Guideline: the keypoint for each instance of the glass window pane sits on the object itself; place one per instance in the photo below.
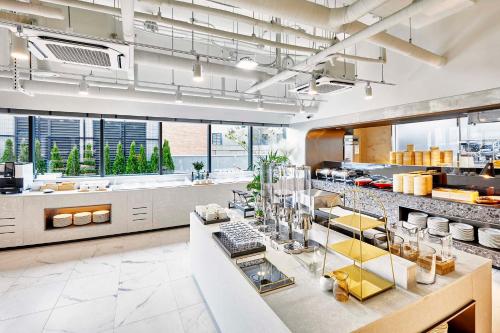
(67, 145)
(130, 147)
(13, 138)
(233, 151)
(187, 144)
(482, 141)
(423, 135)
(266, 139)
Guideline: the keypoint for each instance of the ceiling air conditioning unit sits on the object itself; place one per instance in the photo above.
(79, 51)
(335, 77)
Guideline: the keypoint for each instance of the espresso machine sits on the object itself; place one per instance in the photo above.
(15, 177)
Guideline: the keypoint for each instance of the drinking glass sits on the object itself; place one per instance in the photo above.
(445, 240)
(341, 286)
(426, 265)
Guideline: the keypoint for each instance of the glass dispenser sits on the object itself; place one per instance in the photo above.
(266, 193)
(305, 205)
(289, 197)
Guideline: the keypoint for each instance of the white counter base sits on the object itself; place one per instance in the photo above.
(237, 307)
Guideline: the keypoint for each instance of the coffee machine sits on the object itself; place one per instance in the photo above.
(15, 177)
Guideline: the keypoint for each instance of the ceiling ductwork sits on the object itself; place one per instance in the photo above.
(71, 90)
(416, 7)
(32, 9)
(307, 12)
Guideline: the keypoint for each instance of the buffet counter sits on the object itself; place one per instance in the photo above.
(27, 218)
(303, 307)
(399, 204)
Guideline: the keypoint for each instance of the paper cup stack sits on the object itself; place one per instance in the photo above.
(437, 223)
(82, 218)
(399, 157)
(392, 157)
(489, 237)
(62, 220)
(462, 231)
(418, 219)
(419, 185)
(448, 157)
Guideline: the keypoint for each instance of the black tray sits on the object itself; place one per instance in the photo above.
(205, 222)
(236, 251)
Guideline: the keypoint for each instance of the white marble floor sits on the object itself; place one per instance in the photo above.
(127, 284)
(135, 283)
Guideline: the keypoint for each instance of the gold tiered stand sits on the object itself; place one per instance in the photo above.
(362, 283)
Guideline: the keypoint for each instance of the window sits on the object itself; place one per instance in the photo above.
(266, 139)
(13, 138)
(187, 143)
(423, 135)
(131, 147)
(233, 153)
(66, 145)
(481, 141)
(217, 139)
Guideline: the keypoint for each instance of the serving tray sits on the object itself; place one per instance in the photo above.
(205, 222)
(234, 251)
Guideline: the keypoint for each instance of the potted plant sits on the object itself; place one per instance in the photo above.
(198, 166)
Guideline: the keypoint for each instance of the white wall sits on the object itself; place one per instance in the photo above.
(470, 40)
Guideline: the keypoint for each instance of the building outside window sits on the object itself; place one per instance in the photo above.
(267, 139)
(187, 143)
(217, 139)
(233, 152)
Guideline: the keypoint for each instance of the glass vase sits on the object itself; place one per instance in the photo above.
(341, 286)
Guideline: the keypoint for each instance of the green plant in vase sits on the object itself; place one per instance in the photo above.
(198, 166)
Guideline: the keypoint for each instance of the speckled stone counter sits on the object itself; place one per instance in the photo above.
(367, 201)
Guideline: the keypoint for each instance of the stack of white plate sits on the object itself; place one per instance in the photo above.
(418, 219)
(438, 223)
(489, 237)
(462, 231)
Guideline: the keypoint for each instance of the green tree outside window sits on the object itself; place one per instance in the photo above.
(168, 162)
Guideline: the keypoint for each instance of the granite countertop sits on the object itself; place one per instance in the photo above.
(303, 306)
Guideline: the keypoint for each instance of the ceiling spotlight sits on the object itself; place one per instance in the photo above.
(247, 63)
(368, 91)
(178, 95)
(18, 48)
(197, 76)
(313, 88)
(83, 87)
(260, 104)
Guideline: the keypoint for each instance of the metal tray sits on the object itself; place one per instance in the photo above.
(236, 251)
(264, 276)
(205, 222)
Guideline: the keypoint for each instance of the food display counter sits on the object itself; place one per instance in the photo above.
(460, 299)
(28, 218)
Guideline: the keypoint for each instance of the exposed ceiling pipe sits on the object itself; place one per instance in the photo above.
(70, 90)
(413, 9)
(270, 26)
(307, 12)
(164, 21)
(147, 58)
(341, 56)
(32, 9)
(397, 45)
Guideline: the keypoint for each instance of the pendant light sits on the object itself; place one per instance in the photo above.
(368, 91)
(197, 75)
(178, 95)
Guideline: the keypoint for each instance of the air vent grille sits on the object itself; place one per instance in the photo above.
(330, 88)
(80, 55)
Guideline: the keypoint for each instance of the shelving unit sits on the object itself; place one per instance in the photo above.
(362, 284)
